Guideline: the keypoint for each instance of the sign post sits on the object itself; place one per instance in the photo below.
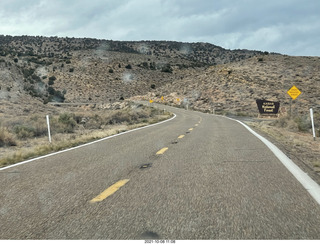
(293, 93)
(312, 123)
(48, 124)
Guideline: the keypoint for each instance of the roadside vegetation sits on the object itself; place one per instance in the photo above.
(294, 135)
(26, 137)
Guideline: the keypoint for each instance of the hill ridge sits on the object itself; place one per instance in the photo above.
(207, 76)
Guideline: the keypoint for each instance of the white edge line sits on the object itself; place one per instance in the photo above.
(309, 184)
(86, 144)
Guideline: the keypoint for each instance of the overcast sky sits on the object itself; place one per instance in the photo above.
(286, 26)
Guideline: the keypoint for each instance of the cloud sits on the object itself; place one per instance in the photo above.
(287, 26)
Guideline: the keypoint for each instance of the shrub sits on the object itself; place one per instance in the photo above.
(27, 72)
(6, 138)
(90, 121)
(119, 117)
(58, 96)
(51, 90)
(55, 95)
(153, 66)
(24, 131)
(167, 68)
(303, 124)
(52, 79)
(68, 123)
(36, 78)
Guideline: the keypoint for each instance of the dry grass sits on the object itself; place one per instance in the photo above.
(6, 138)
(300, 143)
(68, 130)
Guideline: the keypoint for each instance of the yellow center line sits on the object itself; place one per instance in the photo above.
(191, 129)
(196, 124)
(161, 151)
(108, 192)
(180, 136)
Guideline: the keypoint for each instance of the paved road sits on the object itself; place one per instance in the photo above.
(197, 176)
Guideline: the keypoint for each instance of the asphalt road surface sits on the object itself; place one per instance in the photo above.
(197, 176)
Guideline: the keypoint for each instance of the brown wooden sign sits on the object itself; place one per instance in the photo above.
(267, 107)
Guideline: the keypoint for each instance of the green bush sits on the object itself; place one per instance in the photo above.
(55, 95)
(303, 124)
(51, 80)
(167, 68)
(27, 72)
(51, 90)
(24, 131)
(67, 123)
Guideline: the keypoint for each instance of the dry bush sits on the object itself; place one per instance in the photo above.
(297, 124)
(68, 130)
(64, 123)
(6, 138)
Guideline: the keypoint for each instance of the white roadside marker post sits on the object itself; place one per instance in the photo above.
(48, 123)
(312, 123)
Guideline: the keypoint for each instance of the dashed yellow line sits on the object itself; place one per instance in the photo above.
(161, 151)
(115, 187)
(108, 192)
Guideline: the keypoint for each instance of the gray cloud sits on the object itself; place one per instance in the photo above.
(287, 26)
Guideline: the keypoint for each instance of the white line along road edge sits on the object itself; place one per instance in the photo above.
(309, 184)
(86, 144)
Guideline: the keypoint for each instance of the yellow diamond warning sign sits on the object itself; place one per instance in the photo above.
(294, 92)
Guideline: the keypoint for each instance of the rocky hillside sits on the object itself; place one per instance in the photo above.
(200, 75)
(39, 46)
(73, 69)
(236, 86)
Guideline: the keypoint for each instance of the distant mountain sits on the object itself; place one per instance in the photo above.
(204, 53)
(205, 76)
